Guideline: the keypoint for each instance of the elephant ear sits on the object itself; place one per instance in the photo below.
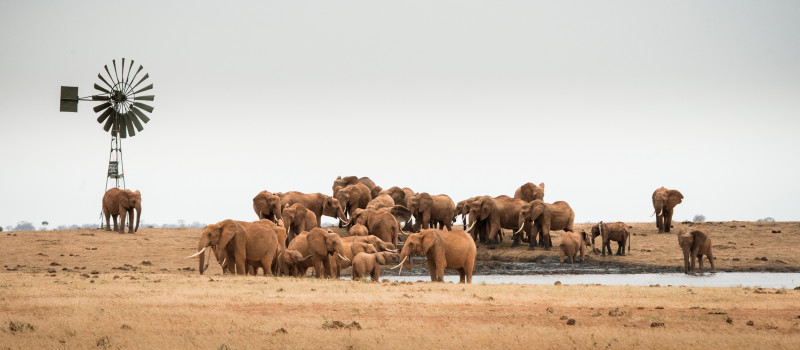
(429, 239)
(380, 258)
(699, 238)
(376, 191)
(425, 202)
(674, 198)
(486, 208)
(400, 212)
(316, 242)
(230, 229)
(357, 247)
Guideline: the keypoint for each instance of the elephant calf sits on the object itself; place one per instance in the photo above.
(615, 231)
(571, 244)
(695, 244)
(365, 264)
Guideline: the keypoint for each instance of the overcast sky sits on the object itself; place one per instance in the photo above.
(603, 101)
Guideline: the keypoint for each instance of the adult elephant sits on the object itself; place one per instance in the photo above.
(342, 182)
(490, 215)
(434, 210)
(317, 203)
(319, 243)
(379, 223)
(545, 217)
(297, 219)
(401, 196)
(664, 201)
(529, 192)
(443, 249)
(381, 201)
(462, 208)
(117, 202)
(250, 242)
(695, 243)
(353, 197)
(267, 205)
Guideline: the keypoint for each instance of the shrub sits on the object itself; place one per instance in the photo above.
(766, 219)
(699, 218)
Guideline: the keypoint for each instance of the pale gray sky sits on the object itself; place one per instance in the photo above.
(602, 101)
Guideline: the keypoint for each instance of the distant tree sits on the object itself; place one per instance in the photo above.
(44, 225)
(766, 219)
(699, 218)
(181, 223)
(24, 226)
(1, 228)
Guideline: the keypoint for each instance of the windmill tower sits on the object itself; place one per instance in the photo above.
(121, 110)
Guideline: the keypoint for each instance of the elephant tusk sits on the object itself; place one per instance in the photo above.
(520, 229)
(196, 254)
(400, 265)
(391, 250)
(223, 261)
(343, 257)
(470, 226)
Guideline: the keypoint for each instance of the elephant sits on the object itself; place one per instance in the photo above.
(429, 210)
(664, 202)
(401, 196)
(267, 206)
(342, 182)
(252, 242)
(695, 243)
(359, 230)
(298, 219)
(443, 249)
(615, 231)
(462, 208)
(369, 264)
(381, 201)
(546, 217)
(117, 202)
(319, 243)
(490, 215)
(353, 197)
(375, 241)
(288, 261)
(530, 192)
(318, 203)
(351, 249)
(380, 223)
(571, 244)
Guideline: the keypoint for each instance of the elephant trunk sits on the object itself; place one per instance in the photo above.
(138, 217)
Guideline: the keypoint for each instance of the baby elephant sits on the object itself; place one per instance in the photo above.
(288, 261)
(370, 264)
(359, 230)
(695, 244)
(615, 231)
(571, 244)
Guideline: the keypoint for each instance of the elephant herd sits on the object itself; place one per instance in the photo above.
(288, 239)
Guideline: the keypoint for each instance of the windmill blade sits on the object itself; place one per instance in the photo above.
(128, 124)
(122, 71)
(109, 122)
(143, 106)
(140, 114)
(130, 68)
(101, 107)
(148, 87)
(115, 70)
(100, 98)
(123, 129)
(109, 76)
(146, 75)
(105, 115)
(104, 80)
(144, 98)
(98, 87)
(135, 120)
(135, 74)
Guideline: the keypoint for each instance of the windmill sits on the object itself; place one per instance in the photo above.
(121, 110)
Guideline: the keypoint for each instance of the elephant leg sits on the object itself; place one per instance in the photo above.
(660, 221)
(461, 275)
(710, 257)
(432, 270)
(549, 242)
(667, 220)
(515, 242)
(700, 263)
(561, 256)
(376, 274)
(130, 222)
(108, 221)
(114, 217)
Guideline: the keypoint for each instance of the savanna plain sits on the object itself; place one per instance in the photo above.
(96, 289)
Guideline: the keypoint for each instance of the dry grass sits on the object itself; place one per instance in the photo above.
(161, 305)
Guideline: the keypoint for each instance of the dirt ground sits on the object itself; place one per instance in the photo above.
(97, 289)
